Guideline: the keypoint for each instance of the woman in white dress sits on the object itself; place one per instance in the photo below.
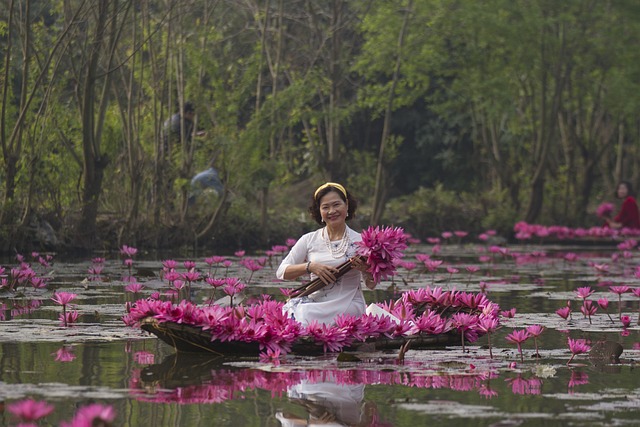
(320, 252)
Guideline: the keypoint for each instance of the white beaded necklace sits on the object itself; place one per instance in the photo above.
(340, 250)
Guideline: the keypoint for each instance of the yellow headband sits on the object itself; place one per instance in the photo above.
(330, 184)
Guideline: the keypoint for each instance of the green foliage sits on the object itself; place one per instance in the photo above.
(489, 95)
(498, 212)
(242, 228)
(428, 212)
(376, 63)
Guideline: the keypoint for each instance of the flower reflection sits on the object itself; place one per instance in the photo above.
(144, 357)
(94, 414)
(525, 386)
(577, 378)
(64, 354)
(487, 392)
(165, 383)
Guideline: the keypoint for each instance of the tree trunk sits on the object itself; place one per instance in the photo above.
(380, 192)
(94, 161)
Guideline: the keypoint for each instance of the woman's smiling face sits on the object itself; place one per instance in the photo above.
(333, 209)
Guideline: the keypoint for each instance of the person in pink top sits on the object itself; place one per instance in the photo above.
(628, 217)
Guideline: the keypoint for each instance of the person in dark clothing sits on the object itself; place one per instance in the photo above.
(173, 127)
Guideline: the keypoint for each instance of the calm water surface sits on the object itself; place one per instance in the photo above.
(100, 360)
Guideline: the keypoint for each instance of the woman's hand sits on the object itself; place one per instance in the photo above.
(326, 273)
(613, 224)
(359, 264)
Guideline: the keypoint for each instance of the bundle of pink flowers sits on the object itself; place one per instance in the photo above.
(382, 249)
(604, 210)
(423, 311)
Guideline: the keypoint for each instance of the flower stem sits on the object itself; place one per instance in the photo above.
(489, 340)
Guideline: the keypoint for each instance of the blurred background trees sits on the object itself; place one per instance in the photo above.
(436, 114)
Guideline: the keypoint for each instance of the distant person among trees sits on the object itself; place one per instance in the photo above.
(177, 134)
(173, 126)
(206, 181)
(628, 217)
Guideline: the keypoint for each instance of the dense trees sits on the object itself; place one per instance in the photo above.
(513, 109)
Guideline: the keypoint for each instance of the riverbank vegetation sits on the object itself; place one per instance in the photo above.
(436, 114)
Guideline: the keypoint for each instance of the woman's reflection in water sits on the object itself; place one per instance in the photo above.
(329, 404)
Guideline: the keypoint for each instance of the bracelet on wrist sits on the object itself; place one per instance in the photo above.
(308, 265)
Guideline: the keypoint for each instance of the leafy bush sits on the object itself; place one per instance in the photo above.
(430, 211)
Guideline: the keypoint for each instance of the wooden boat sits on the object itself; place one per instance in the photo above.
(188, 338)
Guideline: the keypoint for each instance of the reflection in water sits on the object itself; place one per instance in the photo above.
(524, 386)
(577, 378)
(328, 395)
(329, 404)
(64, 354)
(325, 395)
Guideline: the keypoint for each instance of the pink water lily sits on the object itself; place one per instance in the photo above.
(134, 287)
(252, 266)
(577, 346)
(535, 331)
(128, 251)
(463, 322)
(604, 304)
(30, 410)
(625, 320)
(189, 265)
(518, 337)
(488, 325)
(601, 268)
(584, 292)
(332, 339)
(432, 264)
(588, 309)
(169, 264)
(509, 314)
(604, 210)
(570, 257)
(233, 287)
(67, 318)
(621, 289)
(64, 298)
(564, 312)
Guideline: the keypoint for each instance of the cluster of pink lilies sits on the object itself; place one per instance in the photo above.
(525, 231)
(427, 311)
